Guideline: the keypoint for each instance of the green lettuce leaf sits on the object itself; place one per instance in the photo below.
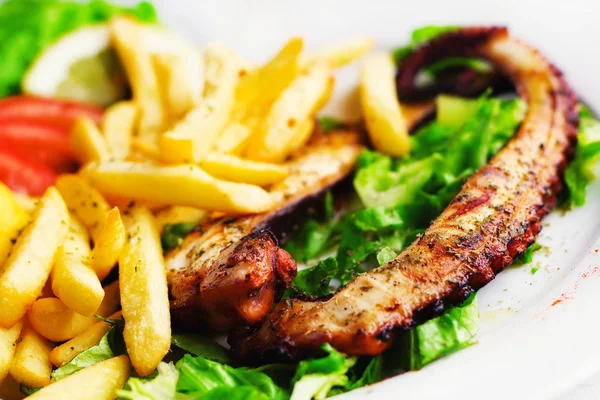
(455, 329)
(527, 256)
(401, 196)
(580, 172)
(28, 26)
(333, 374)
(202, 378)
(201, 346)
(111, 344)
(419, 37)
(160, 387)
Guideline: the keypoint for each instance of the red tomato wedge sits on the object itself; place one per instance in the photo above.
(25, 174)
(58, 112)
(30, 135)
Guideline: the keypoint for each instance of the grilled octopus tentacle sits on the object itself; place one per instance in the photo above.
(231, 271)
(492, 220)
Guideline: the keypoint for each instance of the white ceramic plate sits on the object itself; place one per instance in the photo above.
(539, 332)
(528, 348)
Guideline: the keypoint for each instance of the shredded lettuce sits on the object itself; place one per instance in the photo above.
(419, 37)
(201, 346)
(110, 345)
(580, 172)
(27, 26)
(402, 196)
(202, 378)
(446, 334)
(160, 387)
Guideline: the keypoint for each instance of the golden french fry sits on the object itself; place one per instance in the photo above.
(235, 169)
(144, 297)
(143, 149)
(52, 319)
(196, 133)
(74, 281)
(111, 301)
(380, 106)
(186, 185)
(8, 344)
(118, 126)
(256, 93)
(179, 214)
(137, 62)
(303, 134)
(342, 53)
(12, 220)
(172, 74)
(28, 267)
(99, 381)
(108, 244)
(233, 139)
(31, 364)
(84, 201)
(87, 142)
(90, 337)
(299, 102)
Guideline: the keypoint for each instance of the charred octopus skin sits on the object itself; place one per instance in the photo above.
(230, 271)
(492, 220)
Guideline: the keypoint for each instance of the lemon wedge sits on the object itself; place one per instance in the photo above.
(83, 66)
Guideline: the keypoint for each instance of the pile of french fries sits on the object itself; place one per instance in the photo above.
(167, 156)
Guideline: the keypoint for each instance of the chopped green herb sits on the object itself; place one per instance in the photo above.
(328, 124)
(173, 234)
(527, 256)
(534, 270)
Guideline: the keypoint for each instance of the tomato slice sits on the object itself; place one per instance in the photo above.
(25, 174)
(27, 134)
(61, 113)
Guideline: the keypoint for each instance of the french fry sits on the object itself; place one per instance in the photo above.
(235, 169)
(108, 244)
(380, 106)
(255, 94)
(178, 96)
(118, 126)
(74, 281)
(196, 133)
(12, 220)
(137, 62)
(8, 344)
(143, 149)
(84, 201)
(144, 297)
(31, 364)
(179, 214)
(111, 301)
(299, 102)
(28, 267)
(342, 53)
(90, 337)
(99, 381)
(185, 185)
(233, 139)
(87, 142)
(303, 134)
(52, 319)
